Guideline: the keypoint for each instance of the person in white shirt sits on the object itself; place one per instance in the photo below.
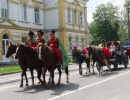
(112, 48)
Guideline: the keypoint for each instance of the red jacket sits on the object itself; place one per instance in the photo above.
(31, 43)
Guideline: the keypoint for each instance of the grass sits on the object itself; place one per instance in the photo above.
(9, 68)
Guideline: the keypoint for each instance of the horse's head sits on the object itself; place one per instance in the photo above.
(20, 51)
(11, 49)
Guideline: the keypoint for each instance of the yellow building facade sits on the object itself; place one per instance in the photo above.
(17, 17)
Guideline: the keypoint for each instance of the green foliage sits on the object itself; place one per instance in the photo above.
(105, 24)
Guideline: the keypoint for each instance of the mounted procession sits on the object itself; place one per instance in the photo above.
(47, 55)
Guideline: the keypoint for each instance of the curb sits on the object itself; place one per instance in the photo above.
(18, 79)
(21, 71)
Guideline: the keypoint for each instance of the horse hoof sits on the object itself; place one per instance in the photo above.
(86, 73)
(26, 84)
(39, 82)
(58, 83)
(21, 85)
(67, 81)
(45, 85)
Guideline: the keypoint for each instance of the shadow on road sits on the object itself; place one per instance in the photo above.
(35, 89)
(58, 89)
(64, 87)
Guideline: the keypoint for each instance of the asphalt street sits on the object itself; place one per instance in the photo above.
(114, 85)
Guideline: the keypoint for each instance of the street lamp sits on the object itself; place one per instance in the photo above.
(128, 9)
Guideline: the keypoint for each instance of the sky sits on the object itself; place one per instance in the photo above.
(92, 4)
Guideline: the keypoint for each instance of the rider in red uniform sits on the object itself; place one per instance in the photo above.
(40, 38)
(31, 41)
(54, 44)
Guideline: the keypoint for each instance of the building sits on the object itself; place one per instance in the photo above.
(67, 17)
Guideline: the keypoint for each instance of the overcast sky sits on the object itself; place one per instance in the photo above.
(92, 4)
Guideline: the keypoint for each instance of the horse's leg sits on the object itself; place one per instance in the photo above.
(21, 85)
(44, 73)
(26, 79)
(25, 69)
(52, 77)
(31, 71)
(88, 65)
(98, 68)
(67, 74)
(102, 69)
(60, 72)
(108, 64)
(39, 72)
(80, 68)
(93, 67)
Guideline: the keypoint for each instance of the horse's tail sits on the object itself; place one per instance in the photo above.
(67, 71)
(67, 74)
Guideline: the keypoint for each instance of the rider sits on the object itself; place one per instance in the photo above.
(104, 48)
(31, 41)
(103, 44)
(54, 44)
(40, 37)
(112, 48)
(127, 43)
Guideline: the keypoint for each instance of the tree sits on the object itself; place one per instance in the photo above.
(105, 24)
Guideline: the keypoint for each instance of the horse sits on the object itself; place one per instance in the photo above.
(48, 57)
(32, 60)
(98, 58)
(11, 49)
(77, 54)
(84, 58)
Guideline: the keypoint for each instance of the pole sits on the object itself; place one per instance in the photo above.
(128, 24)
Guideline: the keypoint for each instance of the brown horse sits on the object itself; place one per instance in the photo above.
(11, 49)
(80, 57)
(48, 57)
(98, 58)
(32, 60)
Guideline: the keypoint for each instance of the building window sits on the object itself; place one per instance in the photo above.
(5, 41)
(37, 15)
(70, 43)
(24, 39)
(77, 42)
(23, 12)
(81, 18)
(69, 16)
(82, 43)
(76, 17)
(4, 8)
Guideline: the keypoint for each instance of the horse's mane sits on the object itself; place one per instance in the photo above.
(32, 52)
(9, 45)
(95, 49)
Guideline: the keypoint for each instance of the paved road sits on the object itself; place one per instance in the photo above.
(113, 85)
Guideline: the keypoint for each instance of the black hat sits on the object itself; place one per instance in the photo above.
(41, 32)
(53, 31)
(103, 40)
(30, 33)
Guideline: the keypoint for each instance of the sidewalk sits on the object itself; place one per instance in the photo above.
(14, 77)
